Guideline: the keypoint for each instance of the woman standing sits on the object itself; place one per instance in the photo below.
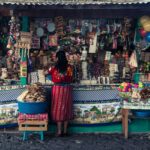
(61, 110)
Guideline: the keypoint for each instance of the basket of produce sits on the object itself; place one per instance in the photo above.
(33, 100)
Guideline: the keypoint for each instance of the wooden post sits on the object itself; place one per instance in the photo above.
(125, 113)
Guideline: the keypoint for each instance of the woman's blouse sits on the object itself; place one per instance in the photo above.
(58, 77)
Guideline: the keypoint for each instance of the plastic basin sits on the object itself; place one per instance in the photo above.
(141, 113)
(33, 108)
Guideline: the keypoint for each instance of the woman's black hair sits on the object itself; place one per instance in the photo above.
(62, 61)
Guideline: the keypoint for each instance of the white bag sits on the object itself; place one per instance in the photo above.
(133, 60)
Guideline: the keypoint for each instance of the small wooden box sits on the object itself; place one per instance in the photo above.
(33, 125)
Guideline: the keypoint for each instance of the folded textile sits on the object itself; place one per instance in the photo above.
(23, 117)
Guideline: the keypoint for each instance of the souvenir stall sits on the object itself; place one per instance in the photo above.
(10, 86)
(104, 52)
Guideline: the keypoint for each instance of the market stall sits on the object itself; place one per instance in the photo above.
(104, 52)
(10, 86)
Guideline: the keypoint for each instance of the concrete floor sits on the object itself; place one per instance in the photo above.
(13, 141)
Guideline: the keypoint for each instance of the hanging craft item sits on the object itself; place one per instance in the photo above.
(84, 54)
(14, 32)
(113, 68)
(59, 22)
(51, 27)
(40, 32)
(108, 55)
(93, 43)
(114, 40)
(53, 40)
(23, 69)
(35, 42)
(9, 63)
(24, 45)
(84, 70)
(133, 60)
(23, 63)
(45, 43)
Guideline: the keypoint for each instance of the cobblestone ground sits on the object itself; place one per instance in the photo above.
(76, 142)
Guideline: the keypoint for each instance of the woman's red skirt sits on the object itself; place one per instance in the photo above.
(62, 103)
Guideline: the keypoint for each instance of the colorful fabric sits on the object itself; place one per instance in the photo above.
(62, 103)
(40, 117)
(57, 77)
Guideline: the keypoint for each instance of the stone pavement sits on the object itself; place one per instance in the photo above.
(9, 141)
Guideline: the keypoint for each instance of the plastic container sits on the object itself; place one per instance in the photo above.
(141, 113)
(33, 108)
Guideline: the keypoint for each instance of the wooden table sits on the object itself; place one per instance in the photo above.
(125, 113)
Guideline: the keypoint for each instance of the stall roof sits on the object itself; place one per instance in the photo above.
(71, 2)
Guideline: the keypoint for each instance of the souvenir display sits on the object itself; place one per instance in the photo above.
(102, 51)
(9, 55)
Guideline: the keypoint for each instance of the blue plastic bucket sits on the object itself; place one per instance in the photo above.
(141, 113)
(33, 108)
